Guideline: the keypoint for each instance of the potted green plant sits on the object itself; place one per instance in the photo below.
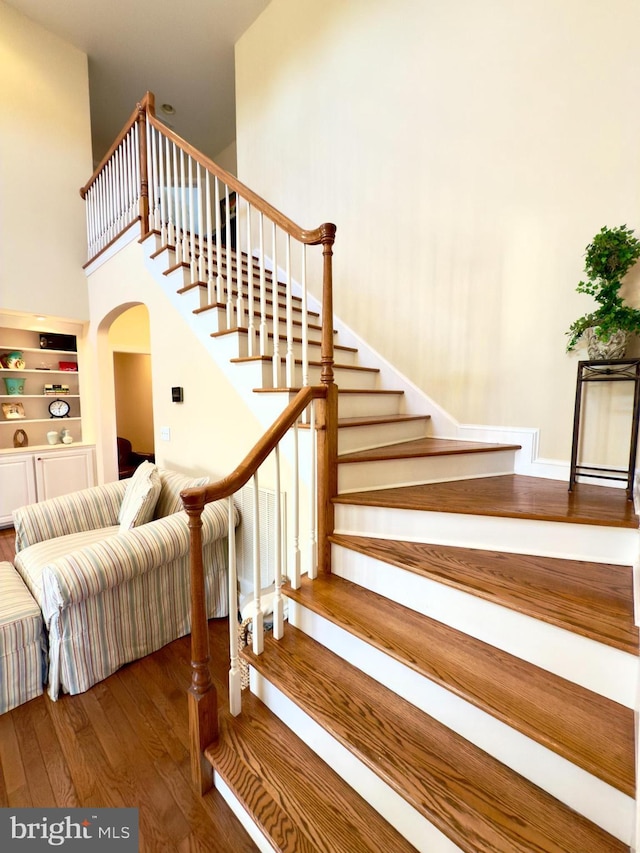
(608, 258)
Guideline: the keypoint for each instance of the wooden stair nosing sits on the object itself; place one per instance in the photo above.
(593, 600)
(298, 361)
(480, 804)
(223, 305)
(341, 391)
(423, 447)
(565, 718)
(296, 799)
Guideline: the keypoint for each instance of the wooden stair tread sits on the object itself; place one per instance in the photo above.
(298, 801)
(509, 496)
(426, 446)
(589, 730)
(472, 798)
(594, 600)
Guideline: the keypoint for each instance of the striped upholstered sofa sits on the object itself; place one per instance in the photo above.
(109, 596)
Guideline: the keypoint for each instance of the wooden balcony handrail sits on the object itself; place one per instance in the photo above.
(324, 233)
(195, 498)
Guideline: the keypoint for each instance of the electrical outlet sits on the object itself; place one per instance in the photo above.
(165, 433)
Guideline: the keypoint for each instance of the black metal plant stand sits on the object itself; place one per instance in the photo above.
(606, 370)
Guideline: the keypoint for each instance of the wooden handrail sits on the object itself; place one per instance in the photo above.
(197, 497)
(311, 237)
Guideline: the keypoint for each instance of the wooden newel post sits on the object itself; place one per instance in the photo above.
(144, 175)
(328, 411)
(203, 700)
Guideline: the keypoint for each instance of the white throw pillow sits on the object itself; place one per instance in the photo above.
(140, 497)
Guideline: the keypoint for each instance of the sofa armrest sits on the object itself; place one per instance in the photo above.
(116, 559)
(89, 509)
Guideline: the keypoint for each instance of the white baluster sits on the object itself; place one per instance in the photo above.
(250, 288)
(192, 225)
(276, 321)
(128, 178)
(228, 273)
(171, 234)
(235, 675)
(278, 608)
(211, 291)
(258, 626)
(263, 291)
(202, 273)
(185, 222)
(313, 512)
(295, 575)
(137, 170)
(177, 205)
(161, 190)
(290, 361)
(240, 301)
(88, 205)
(305, 323)
(219, 281)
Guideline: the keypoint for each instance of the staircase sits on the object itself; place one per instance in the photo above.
(465, 678)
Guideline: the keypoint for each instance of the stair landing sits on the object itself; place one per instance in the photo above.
(509, 496)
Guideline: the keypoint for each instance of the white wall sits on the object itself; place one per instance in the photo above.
(211, 431)
(45, 157)
(467, 151)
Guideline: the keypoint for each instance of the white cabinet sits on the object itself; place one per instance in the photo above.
(41, 474)
(17, 484)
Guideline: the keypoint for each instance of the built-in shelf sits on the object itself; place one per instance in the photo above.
(42, 367)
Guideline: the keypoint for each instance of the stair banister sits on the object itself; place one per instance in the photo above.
(202, 697)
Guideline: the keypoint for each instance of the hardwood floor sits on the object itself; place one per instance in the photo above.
(122, 743)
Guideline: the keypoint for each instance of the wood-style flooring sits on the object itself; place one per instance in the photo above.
(122, 743)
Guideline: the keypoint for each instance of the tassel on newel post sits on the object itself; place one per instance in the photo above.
(148, 102)
(203, 701)
(328, 411)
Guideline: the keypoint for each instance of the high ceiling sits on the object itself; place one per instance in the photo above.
(181, 52)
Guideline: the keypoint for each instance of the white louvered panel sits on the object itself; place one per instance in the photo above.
(246, 531)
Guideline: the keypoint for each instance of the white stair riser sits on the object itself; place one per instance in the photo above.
(260, 373)
(362, 405)
(513, 535)
(393, 808)
(581, 791)
(242, 814)
(354, 438)
(602, 669)
(383, 473)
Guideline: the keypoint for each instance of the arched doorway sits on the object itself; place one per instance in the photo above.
(133, 396)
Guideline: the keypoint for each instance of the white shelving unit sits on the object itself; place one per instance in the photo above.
(42, 367)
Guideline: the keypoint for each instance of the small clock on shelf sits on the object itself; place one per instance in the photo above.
(59, 409)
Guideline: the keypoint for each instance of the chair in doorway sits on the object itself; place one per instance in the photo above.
(128, 459)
